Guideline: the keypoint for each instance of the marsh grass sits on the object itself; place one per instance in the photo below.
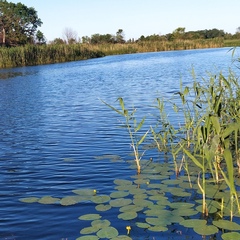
(44, 54)
(155, 46)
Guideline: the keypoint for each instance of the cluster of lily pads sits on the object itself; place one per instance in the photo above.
(154, 201)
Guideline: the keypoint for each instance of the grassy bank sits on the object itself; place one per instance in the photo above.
(45, 54)
(156, 46)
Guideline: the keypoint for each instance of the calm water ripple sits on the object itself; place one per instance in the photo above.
(53, 126)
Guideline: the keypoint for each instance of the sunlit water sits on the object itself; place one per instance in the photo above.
(53, 126)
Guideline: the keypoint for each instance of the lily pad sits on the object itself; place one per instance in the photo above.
(183, 205)
(69, 200)
(158, 229)
(89, 230)
(228, 225)
(142, 225)
(100, 199)
(191, 223)
(137, 191)
(29, 200)
(184, 213)
(107, 232)
(211, 209)
(205, 229)
(85, 192)
(90, 217)
(48, 200)
(131, 208)
(103, 207)
(122, 182)
(140, 196)
(122, 237)
(231, 236)
(141, 181)
(100, 223)
(142, 202)
(120, 202)
(119, 194)
(127, 215)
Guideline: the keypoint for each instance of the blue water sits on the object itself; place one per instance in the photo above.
(53, 125)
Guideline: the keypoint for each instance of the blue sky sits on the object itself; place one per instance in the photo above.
(135, 17)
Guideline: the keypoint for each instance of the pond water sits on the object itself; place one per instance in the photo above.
(53, 127)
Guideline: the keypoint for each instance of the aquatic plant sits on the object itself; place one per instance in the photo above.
(133, 128)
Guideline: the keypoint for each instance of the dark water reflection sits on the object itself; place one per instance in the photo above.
(53, 125)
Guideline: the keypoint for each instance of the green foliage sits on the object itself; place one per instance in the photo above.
(18, 23)
(133, 128)
(44, 54)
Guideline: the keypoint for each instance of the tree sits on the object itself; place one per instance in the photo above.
(58, 41)
(69, 35)
(18, 23)
(40, 38)
(120, 36)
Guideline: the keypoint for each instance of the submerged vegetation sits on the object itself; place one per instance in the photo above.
(195, 184)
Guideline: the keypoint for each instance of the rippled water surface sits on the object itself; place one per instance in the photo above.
(53, 126)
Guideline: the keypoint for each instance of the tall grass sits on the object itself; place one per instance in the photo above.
(45, 54)
(155, 46)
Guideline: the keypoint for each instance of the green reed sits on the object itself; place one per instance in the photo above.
(44, 54)
(133, 128)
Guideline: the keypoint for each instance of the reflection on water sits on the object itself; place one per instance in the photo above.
(54, 131)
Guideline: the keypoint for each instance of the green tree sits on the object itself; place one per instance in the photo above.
(18, 23)
(120, 36)
(40, 38)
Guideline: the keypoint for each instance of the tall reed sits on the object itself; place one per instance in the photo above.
(44, 54)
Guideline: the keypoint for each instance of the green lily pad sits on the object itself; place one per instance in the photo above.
(158, 197)
(125, 187)
(140, 196)
(142, 225)
(142, 202)
(231, 236)
(131, 208)
(107, 232)
(84, 192)
(122, 182)
(205, 230)
(211, 209)
(88, 237)
(121, 237)
(141, 181)
(89, 230)
(127, 215)
(183, 205)
(119, 194)
(29, 200)
(100, 223)
(158, 229)
(48, 200)
(185, 213)
(69, 200)
(137, 191)
(228, 225)
(90, 217)
(100, 199)
(103, 207)
(158, 221)
(120, 202)
(191, 223)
